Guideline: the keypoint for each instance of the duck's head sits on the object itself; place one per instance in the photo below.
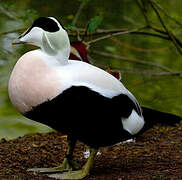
(48, 34)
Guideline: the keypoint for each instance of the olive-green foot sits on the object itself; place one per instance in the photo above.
(79, 174)
(43, 170)
(67, 165)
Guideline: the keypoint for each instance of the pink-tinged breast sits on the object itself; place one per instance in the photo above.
(32, 82)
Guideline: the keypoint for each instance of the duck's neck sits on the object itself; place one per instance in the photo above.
(57, 46)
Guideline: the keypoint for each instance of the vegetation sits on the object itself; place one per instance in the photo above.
(139, 38)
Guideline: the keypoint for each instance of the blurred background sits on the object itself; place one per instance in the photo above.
(140, 38)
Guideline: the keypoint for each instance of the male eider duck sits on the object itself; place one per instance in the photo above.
(78, 99)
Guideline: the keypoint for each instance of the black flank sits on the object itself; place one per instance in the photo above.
(86, 115)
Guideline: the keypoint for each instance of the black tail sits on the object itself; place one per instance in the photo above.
(153, 117)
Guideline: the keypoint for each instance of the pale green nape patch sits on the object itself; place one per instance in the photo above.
(53, 43)
(47, 46)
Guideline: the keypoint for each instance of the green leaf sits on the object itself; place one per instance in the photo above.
(94, 23)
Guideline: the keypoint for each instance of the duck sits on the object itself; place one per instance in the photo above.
(75, 98)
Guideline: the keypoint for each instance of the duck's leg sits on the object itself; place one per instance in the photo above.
(78, 174)
(68, 163)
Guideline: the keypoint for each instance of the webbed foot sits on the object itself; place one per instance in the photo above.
(67, 165)
(78, 174)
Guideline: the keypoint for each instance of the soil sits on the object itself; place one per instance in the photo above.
(156, 154)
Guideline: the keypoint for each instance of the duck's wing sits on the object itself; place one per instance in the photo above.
(96, 79)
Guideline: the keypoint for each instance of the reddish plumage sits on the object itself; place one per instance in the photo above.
(81, 49)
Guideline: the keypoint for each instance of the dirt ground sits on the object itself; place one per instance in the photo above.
(157, 154)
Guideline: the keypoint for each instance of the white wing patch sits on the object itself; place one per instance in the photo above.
(84, 74)
(134, 123)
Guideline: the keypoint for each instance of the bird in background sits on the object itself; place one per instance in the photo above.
(74, 97)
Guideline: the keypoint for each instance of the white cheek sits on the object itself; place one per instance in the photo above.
(33, 37)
